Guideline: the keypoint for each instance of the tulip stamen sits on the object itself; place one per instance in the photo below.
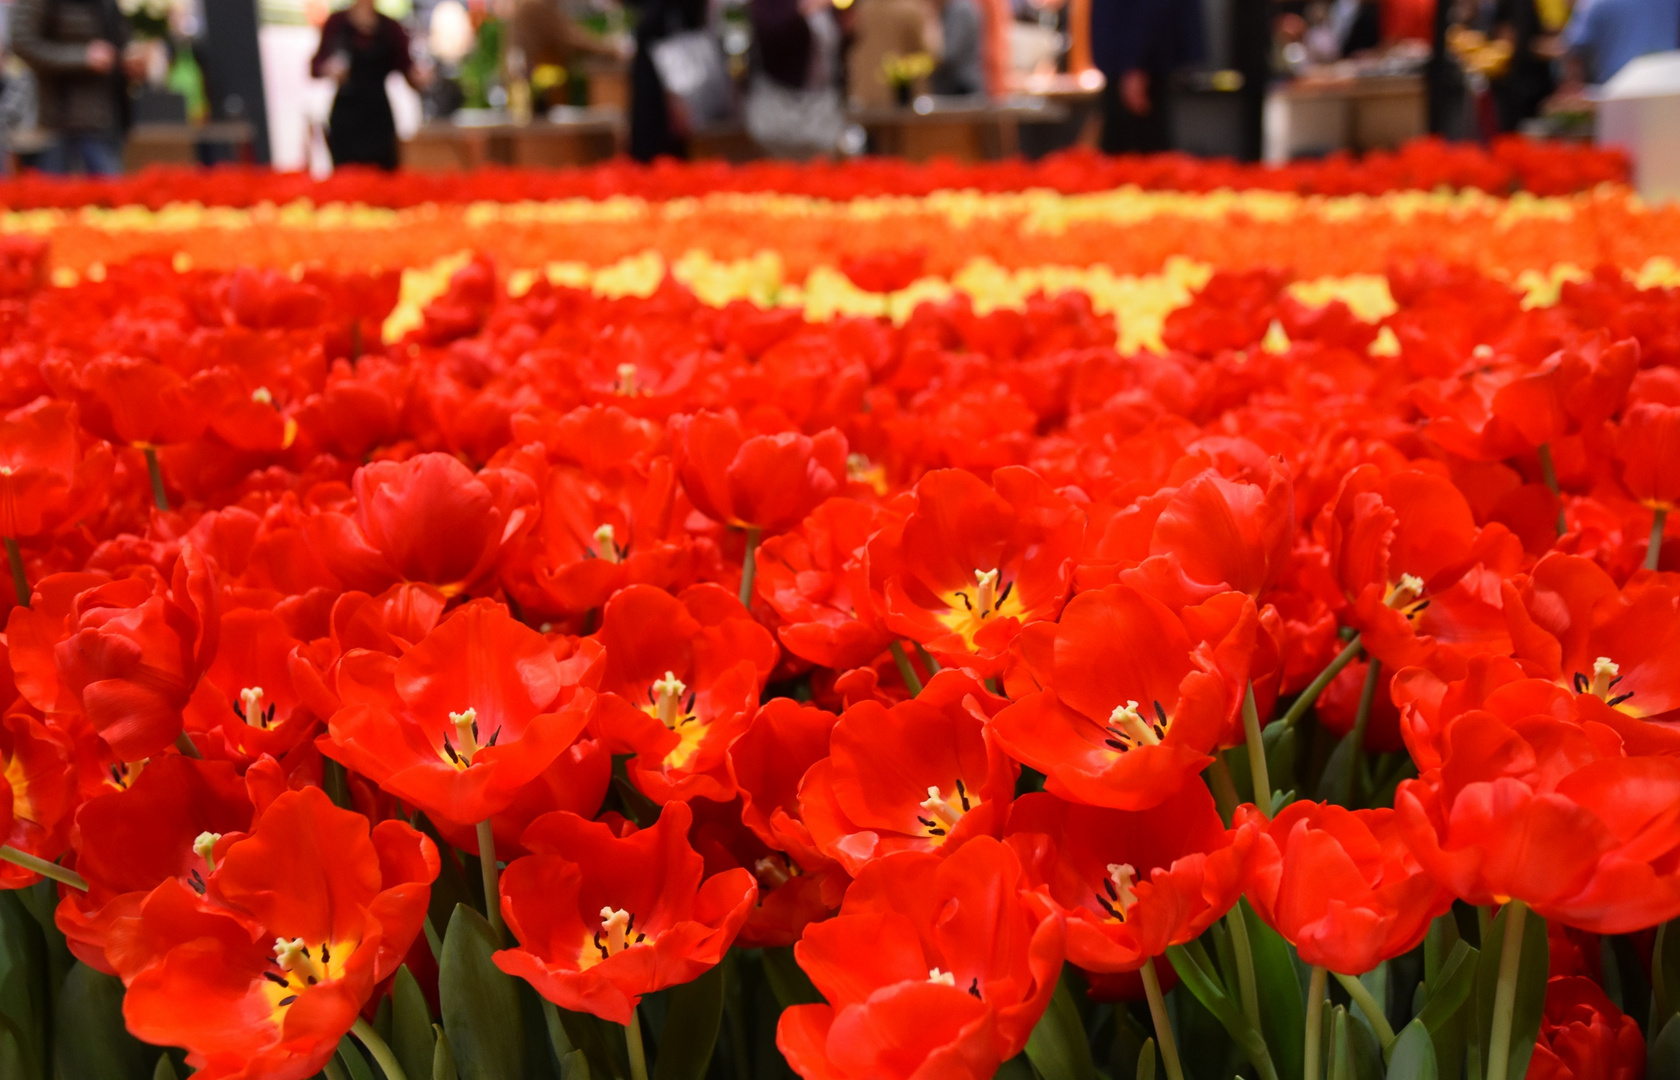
(618, 925)
(294, 959)
(1118, 885)
(1405, 593)
(943, 816)
(626, 386)
(606, 548)
(466, 735)
(772, 873)
(204, 846)
(667, 702)
(1128, 728)
(250, 708)
(941, 978)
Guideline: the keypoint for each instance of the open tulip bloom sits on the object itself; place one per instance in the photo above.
(859, 620)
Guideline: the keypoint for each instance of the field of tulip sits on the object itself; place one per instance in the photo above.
(1119, 619)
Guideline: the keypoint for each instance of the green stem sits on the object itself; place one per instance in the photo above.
(1315, 1023)
(1548, 473)
(1653, 553)
(1247, 986)
(929, 664)
(1659, 985)
(905, 671)
(1350, 792)
(1163, 1024)
(332, 1070)
(749, 567)
(1299, 707)
(1256, 753)
(1368, 1005)
(633, 1042)
(43, 867)
(1505, 994)
(184, 743)
(158, 496)
(381, 1052)
(20, 580)
(1224, 790)
(487, 868)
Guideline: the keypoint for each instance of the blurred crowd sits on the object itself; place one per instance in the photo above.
(795, 75)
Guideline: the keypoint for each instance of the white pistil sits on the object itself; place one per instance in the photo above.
(937, 806)
(261, 396)
(616, 922)
(294, 959)
(985, 590)
(1123, 876)
(771, 872)
(668, 700)
(626, 380)
(606, 547)
(941, 978)
(1604, 673)
(1125, 719)
(1405, 593)
(466, 739)
(204, 846)
(250, 700)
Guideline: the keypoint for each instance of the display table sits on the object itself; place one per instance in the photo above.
(566, 137)
(967, 131)
(178, 143)
(1318, 114)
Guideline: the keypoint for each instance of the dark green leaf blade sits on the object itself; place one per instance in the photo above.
(89, 1034)
(1531, 989)
(411, 1025)
(481, 1013)
(1413, 1056)
(1058, 1048)
(691, 1028)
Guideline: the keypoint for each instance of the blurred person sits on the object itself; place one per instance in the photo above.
(78, 50)
(1137, 45)
(359, 48)
(1527, 80)
(959, 70)
(883, 31)
(658, 123)
(1604, 35)
(548, 37)
(793, 107)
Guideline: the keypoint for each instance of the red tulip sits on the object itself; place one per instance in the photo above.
(680, 685)
(162, 827)
(603, 919)
(920, 776)
(38, 793)
(1583, 1036)
(298, 923)
(934, 967)
(1130, 708)
(1340, 885)
(47, 481)
(429, 519)
(1648, 446)
(765, 482)
(1129, 883)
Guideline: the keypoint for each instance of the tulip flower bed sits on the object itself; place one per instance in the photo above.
(739, 629)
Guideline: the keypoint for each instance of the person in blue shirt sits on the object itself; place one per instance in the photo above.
(1603, 35)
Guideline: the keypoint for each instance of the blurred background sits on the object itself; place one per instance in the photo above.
(102, 86)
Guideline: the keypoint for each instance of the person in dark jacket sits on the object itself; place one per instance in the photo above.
(77, 51)
(658, 127)
(359, 48)
(1138, 44)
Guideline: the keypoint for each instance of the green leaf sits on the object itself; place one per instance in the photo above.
(1283, 1011)
(165, 1069)
(88, 1030)
(1665, 975)
(356, 1066)
(602, 1043)
(1146, 1061)
(1281, 742)
(1449, 988)
(1662, 1059)
(1057, 1047)
(788, 980)
(480, 1002)
(443, 1057)
(1016, 1068)
(574, 1066)
(1531, 990)
(1413, 1057)
(1367, 1049)
(1438, 945)
(1196, 972)
(411, 1025)
(24, 1047)
(1341, 1051)
(691, 1028)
